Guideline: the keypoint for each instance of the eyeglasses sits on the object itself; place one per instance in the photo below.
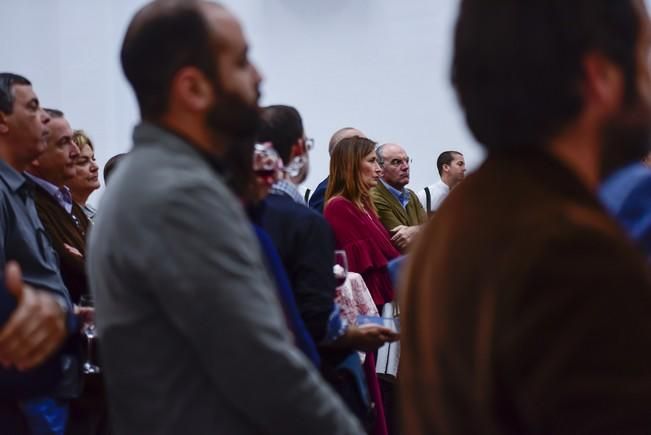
(398, 162)
(309, 143)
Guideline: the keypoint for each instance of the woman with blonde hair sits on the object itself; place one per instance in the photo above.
(86, 179)
(354, 171)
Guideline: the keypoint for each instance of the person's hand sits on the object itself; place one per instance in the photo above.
(72, 250)
(368, 338)
(35, 329)
(404, 235)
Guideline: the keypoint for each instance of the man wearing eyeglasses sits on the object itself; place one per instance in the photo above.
(398, 207)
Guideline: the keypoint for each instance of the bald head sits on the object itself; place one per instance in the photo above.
(395, 165)
(341, 134)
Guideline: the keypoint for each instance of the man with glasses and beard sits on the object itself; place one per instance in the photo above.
(528, 310)
(193, 338)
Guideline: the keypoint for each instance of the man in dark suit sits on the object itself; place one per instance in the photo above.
(66, 224)
(527, 310)
(306, 246)
(64, 220)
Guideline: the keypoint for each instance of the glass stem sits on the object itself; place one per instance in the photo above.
(89, 340)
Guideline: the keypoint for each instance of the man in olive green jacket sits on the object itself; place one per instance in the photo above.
(398, 207)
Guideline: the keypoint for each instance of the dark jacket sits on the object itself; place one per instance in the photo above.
(527, 311)
(62, 229)
(318, 197)
(306, 247)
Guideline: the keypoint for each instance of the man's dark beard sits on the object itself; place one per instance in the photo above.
(627, 137)
(236, 123)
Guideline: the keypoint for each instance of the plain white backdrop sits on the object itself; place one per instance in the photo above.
(379, 65)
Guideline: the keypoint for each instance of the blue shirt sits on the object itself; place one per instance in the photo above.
(401, 195)
(23, 237)
(627, 196)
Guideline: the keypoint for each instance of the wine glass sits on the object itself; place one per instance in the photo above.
(340, 268)
(89, 331)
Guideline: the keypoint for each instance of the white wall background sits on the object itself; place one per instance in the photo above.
(378, 65)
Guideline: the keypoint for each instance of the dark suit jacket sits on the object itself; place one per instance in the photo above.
(527, 311)
(318, 197)
(62, 229)
(306, 247)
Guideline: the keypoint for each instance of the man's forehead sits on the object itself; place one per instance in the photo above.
(60, 127)
(393, 150)
(23, 92)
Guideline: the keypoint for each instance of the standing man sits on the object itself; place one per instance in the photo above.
(532, 313)
(306, 246)
(452, 170)
(317, 198)
(194, 340)
(64, 220)
(398, 207)
(43, 316)
(66, 225)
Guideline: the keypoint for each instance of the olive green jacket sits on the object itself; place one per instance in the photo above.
(392, 213)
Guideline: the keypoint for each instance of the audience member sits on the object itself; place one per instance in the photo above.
(63, 219)
(531, 314)
(354, 171)
(452, 170)
(306, 246)
(38, 325)
(316, 201)
(199, 328)
(66, 224)
(111, 165)
(86, 179)
(397, 207)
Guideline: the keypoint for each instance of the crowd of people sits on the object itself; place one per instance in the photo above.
(208, 272)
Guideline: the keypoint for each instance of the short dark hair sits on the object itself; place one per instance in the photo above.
(517, 65)
(162, 38)
(446, 158)
(111, 164)
(54, 113)
(7, 83)
(282, 126)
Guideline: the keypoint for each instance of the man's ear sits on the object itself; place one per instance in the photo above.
(4, 126)
(192, 89)
(603, 84)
